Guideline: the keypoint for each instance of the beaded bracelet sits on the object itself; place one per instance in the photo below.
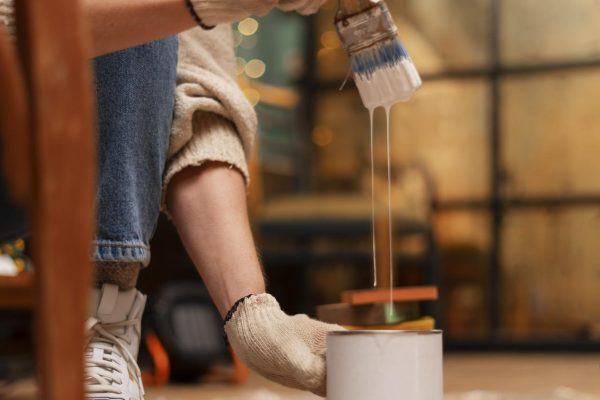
(196, 17)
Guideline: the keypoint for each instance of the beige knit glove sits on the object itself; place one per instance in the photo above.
(214, 12)
(304, 7)
(289, 350)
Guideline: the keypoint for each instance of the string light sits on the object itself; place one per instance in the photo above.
(248, 26)
(8, 249)
(237, 38)
(255, 68)
(330, 40)
(322, 136)
(252, 95)
(323, 53)
(240, 65)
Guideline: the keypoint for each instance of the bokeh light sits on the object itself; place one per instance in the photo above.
(237, 38)
(255, 68)
(252, 95)
(330, 40)
(322, 135)
(248, 26)
(240, 65)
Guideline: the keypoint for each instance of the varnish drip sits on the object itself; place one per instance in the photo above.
(373, 199)
(384, 88)
(389, 194)
(387, 108)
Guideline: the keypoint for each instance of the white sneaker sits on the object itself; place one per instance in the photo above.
(114, 330)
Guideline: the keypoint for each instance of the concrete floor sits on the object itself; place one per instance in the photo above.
(526, 376)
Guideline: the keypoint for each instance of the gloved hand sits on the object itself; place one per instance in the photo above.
(289, 350)
(304, 7)
(214, 12)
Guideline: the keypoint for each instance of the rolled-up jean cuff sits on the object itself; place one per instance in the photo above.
(106, 250)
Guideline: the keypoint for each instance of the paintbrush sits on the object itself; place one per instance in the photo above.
(383, 71)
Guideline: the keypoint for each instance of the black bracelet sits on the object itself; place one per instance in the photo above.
(196, 17)
(230, 313)
(234, 308)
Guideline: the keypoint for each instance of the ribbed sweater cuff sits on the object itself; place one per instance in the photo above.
(214, 139)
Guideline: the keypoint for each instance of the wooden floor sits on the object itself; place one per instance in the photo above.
(530, 376)
(522, 373)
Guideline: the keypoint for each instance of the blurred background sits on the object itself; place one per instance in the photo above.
(496, 155)
(495, 172)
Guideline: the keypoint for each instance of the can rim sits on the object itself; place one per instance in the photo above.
(385, 332)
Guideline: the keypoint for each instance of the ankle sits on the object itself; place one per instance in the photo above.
(122, 274)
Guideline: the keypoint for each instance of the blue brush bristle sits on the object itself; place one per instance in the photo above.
(388, 54)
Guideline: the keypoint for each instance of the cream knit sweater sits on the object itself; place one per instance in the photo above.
(212, 120)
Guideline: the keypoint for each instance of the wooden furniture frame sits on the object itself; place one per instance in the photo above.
(49, 151)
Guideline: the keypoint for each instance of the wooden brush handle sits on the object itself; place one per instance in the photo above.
(347, 8)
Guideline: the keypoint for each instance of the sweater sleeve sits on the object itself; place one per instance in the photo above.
(212, 119)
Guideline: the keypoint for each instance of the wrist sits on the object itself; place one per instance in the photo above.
(234, 308)
(196, 17)
(260, 306)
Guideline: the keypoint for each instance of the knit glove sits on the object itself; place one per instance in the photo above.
(214, 12)
(304, 7)
(289, 350)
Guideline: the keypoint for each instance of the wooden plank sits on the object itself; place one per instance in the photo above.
(54, 43)
(367, 314)
(421, 324)
(409, 293)
(17, 292)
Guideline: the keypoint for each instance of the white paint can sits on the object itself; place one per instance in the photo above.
(384, 365)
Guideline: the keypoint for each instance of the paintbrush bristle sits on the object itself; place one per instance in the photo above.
(385, 54)
(382, 68)
(388, 84)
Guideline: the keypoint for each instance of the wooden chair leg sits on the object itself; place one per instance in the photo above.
(53, 43)
(14, 123)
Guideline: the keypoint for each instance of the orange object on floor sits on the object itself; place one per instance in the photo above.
(160, 358)
(240, 371)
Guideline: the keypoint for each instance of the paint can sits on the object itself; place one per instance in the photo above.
(384, 365)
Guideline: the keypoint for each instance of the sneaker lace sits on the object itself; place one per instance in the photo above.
(103, 375)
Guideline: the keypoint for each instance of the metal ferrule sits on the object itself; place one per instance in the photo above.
(367, 28)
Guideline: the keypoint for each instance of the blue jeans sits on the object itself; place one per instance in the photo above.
(135, 97)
